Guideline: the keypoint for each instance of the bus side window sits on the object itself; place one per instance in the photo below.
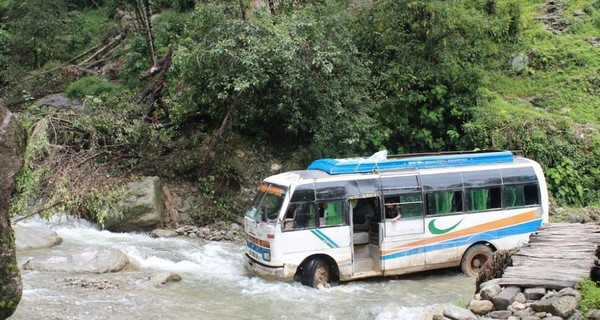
(444, 202)
(304, 216)
(483, 199)
(332, 213)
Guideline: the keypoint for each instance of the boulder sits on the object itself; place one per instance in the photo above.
(163, 278)
(534, 293)
(60, 101)
(560, 306)
(141, 210)
(163, 233)
(88, 260)
(481, 306)
(12, 146)
(35, 238)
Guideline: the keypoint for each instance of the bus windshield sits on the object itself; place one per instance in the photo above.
(267, 202)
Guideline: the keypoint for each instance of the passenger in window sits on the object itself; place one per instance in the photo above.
(392, 211)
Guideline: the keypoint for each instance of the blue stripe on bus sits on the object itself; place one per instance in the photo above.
(527, 227)
(326, 239)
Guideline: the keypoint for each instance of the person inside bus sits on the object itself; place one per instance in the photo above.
(392, 210)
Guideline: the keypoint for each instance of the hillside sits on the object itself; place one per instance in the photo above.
(215, 95)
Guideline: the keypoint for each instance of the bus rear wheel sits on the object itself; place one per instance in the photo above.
(316, 274)
(474, 258)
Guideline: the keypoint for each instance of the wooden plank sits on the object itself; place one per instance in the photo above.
(529, 283)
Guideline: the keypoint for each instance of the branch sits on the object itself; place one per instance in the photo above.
(38, 211)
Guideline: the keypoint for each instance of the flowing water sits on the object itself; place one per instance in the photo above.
(214, 286)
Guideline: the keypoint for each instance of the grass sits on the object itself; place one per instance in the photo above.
(562, 78)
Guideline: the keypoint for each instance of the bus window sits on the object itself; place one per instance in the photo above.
(444, 202)
(481, 178)
(514, 196)
(532, 195)
(410, 205)
(300, 216)
(484, 199)
(331, 213)
(442, 181)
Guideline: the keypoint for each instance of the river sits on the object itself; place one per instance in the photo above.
(214, 286)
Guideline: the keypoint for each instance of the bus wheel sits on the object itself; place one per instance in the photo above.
(474, 258)
(316, 274)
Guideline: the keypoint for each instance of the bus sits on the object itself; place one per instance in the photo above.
(353, 218)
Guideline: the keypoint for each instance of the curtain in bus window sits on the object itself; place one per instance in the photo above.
(479, 199)
(333, 213)
(514, 196)
(443, 202)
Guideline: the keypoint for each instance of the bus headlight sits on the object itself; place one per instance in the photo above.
(266, 256)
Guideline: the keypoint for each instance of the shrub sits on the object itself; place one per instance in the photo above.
(91, 86)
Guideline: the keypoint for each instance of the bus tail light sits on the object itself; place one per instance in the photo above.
(270, 236)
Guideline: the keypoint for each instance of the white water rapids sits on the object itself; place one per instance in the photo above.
(214, 286)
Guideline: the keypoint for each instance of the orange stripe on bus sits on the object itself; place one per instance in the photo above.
(497, 224)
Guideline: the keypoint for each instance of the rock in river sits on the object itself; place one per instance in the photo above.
(90, 260)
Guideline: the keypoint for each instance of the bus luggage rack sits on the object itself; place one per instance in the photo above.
(380, 161)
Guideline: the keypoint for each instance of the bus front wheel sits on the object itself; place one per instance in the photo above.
(474, 258)
(316, 274)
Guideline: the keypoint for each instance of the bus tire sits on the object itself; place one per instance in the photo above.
(474, 258)
(316, 274)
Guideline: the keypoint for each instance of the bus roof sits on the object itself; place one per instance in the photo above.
(380, 161)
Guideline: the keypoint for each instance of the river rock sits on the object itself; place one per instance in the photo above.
(88, 260)
(457, 313)
(163, 278)
(534, 293)
(163, 233)
(35, 238)
(500, 314)
(490, 291)
(480, 306)
(505, 298)
(12, 147)
(560, 306)
(141, 210)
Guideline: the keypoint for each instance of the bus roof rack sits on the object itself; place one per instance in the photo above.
(380, 161)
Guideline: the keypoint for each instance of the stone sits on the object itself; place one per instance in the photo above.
(141, 210)
(480, 306)
(88, 260)
(27, 238)
(490, 291)
(13, 140)
(534, 293)
(500, 314)
(163, 278)
(505, 298)
(163, 233)
(60, 101)
(569, 292)
(576, 316)
(518, 62)
(593, 314)
(560, 306)
(458, 313)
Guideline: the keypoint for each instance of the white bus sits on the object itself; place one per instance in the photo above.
(338, 220)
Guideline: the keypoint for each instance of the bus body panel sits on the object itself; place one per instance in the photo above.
(415, 243)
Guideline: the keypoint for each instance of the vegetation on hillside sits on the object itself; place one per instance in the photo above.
(294, 81)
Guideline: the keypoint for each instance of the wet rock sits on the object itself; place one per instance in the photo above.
(90, 284)
(35, 238)
(163, 278)
(163, 233)
(12, 146)
(141, 210)
(89, 260)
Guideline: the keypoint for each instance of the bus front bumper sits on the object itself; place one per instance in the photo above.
(268, 272)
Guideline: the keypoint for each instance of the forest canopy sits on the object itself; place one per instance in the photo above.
(182, 79)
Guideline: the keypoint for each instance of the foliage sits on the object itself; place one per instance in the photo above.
(91, 86)
(590, 294)
(292, 79)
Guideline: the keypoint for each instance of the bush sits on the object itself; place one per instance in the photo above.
(590, 294)
(91, 86)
